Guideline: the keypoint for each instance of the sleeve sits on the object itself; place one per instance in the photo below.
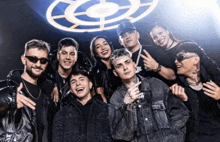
(123, 119)
(178, 115)
(7, 99)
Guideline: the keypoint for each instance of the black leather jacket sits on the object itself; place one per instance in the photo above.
(19, 125)
(158, 117)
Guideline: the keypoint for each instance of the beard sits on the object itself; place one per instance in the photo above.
(31, 74)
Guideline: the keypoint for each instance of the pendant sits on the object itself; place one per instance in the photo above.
(138, 69)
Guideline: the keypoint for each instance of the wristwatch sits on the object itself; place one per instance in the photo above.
(158, 68)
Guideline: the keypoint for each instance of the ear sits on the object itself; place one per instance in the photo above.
(196, 61)
(23, 60)
(76, 57)
(138, 34)
(115, 73)
(120, 41)
(90, 85)
(58, 55)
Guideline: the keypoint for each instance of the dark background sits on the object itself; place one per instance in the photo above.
(23, 20)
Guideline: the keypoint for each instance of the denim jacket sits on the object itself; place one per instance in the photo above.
(158, 116)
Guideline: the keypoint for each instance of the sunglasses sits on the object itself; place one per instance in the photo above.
(34, 59)
(181, 57)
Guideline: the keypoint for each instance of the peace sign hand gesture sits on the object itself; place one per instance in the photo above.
(149, 61)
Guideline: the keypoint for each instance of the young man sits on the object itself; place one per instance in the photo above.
(66, 60)
(61, 66)
(148, 59)
(82, 118)
(24, 105)
(143, 109)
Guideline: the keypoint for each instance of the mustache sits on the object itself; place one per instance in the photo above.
(37, 68)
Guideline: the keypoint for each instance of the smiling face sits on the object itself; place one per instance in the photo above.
(160, 36)
(67, 57)
(129, 39)
(102, 48)
(187, 64)
(80, 86)
(34, 70)
(124, 68)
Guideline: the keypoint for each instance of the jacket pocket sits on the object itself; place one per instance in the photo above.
(160, 115)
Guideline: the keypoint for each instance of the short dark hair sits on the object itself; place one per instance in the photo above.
(117, 54)
(68, 42)
(35, 43)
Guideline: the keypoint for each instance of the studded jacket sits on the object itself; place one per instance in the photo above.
(19, 125)
(158, 116)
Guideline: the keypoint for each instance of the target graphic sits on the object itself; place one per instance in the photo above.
(96, 15)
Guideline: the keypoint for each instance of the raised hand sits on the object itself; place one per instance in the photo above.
(212, 90)
(132, 94)
(23, 100)
(179, 92)
(149, 62)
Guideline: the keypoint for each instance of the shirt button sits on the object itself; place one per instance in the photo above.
(146, 119)
(139, 106)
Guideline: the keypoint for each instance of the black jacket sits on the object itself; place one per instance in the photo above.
(71, 125)
(204, 111)
(19, 125)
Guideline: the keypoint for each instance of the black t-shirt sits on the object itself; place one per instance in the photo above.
(35, 95)
(159, 55)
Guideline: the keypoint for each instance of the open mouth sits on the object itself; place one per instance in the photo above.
(80, 89)
(67, 62)
(104, 52)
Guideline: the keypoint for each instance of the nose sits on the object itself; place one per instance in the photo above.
(68, 56)
(38, 64)
(78, 83)
(103, 47)
(125, 67)
(175, 61)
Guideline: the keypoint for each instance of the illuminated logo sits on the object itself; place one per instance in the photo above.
(96, 15)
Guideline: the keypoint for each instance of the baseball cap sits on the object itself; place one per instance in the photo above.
(124, 27)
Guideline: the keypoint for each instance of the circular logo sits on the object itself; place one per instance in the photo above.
(96, 15)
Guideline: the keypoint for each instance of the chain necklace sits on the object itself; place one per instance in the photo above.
(196, 85)
(29, 91)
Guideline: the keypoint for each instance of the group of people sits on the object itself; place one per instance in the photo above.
(164, 92)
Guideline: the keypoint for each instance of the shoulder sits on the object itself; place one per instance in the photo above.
(118, 95)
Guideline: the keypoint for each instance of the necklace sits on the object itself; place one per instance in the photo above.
(138, 68)
(170, 46)
(29, 91)
(196, 85)
(138, 56)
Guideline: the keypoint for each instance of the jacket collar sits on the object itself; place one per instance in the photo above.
(15, 76)
(145, 86)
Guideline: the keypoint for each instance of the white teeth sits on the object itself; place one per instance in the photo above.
(79, 89)
(104, 52)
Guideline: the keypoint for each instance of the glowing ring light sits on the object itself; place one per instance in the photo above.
(107, 14)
